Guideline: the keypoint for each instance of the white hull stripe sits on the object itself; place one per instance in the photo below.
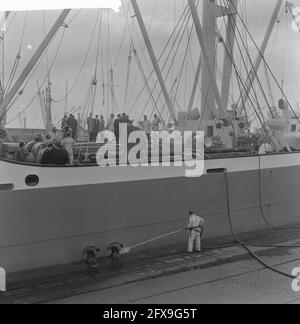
(51, 177)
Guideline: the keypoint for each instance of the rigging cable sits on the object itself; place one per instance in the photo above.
(143, 48)
(238, 240)
(36, 94)
(184, 60)
(18, 57)
(261, 119)
(127, 78)
(95, 81)
(123, 35)
(146, 82)
(82, 65)
(252, 66)
(180, 24)
(188, 16)
(11, 22)
(239, 78)
(261, 204)
(270, 70)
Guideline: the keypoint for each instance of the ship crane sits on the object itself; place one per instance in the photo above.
(207, 43)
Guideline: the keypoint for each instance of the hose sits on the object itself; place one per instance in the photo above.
(245, 245)
(127, 249)
(156, 238)
(261, 205)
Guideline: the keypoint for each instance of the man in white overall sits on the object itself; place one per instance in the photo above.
(195, 227)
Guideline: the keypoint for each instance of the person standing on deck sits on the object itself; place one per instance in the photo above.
(90, 122)
(72, 123)
(54, 134)
(125, 119)
(21, 154)
(117, 127)
(59, 156)
(110, 123)
(101, 124)
(195, 228)
(155, 124)
(74, 128)
(64, 121)
(69, 121)
(147, 127)
(70, 145)
(46, 157)
(96, 127)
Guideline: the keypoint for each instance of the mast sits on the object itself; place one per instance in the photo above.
(192, 99)
(153, 58)
(2, 64)
(228, 55)
(208, 75)
(31, 64)
(252, 76)
(207, 40)
(48, 106)
(22, 120)
(41, 96)
(66, 98)
(112, 91)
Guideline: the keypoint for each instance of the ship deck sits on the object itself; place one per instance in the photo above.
(223, 273)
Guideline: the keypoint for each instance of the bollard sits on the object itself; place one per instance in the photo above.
(114, 249)
(91, 259)
(2, 280)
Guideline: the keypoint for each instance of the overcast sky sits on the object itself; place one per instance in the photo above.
(160, 17)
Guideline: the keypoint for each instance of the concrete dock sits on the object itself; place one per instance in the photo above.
(222, 273)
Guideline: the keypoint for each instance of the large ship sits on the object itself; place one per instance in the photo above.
(49, 214)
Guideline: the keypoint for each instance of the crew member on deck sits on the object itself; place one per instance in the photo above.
(90, 125)
(110, 123)
(70, 145)
(156, 123)
(47, 154)
(147, 127)
(96, 128)
(59, 155)
(117, 126)
(21, 154)
(195, 228)
(73, 124)
(101, 124)
(64, 121)
(54, 134)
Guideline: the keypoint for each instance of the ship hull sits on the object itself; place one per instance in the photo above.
(51, 225)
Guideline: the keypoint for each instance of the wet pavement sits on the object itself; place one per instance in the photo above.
(222, 273)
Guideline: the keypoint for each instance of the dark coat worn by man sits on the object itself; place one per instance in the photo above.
(60, 156)
(47, 156)
(117, 127)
